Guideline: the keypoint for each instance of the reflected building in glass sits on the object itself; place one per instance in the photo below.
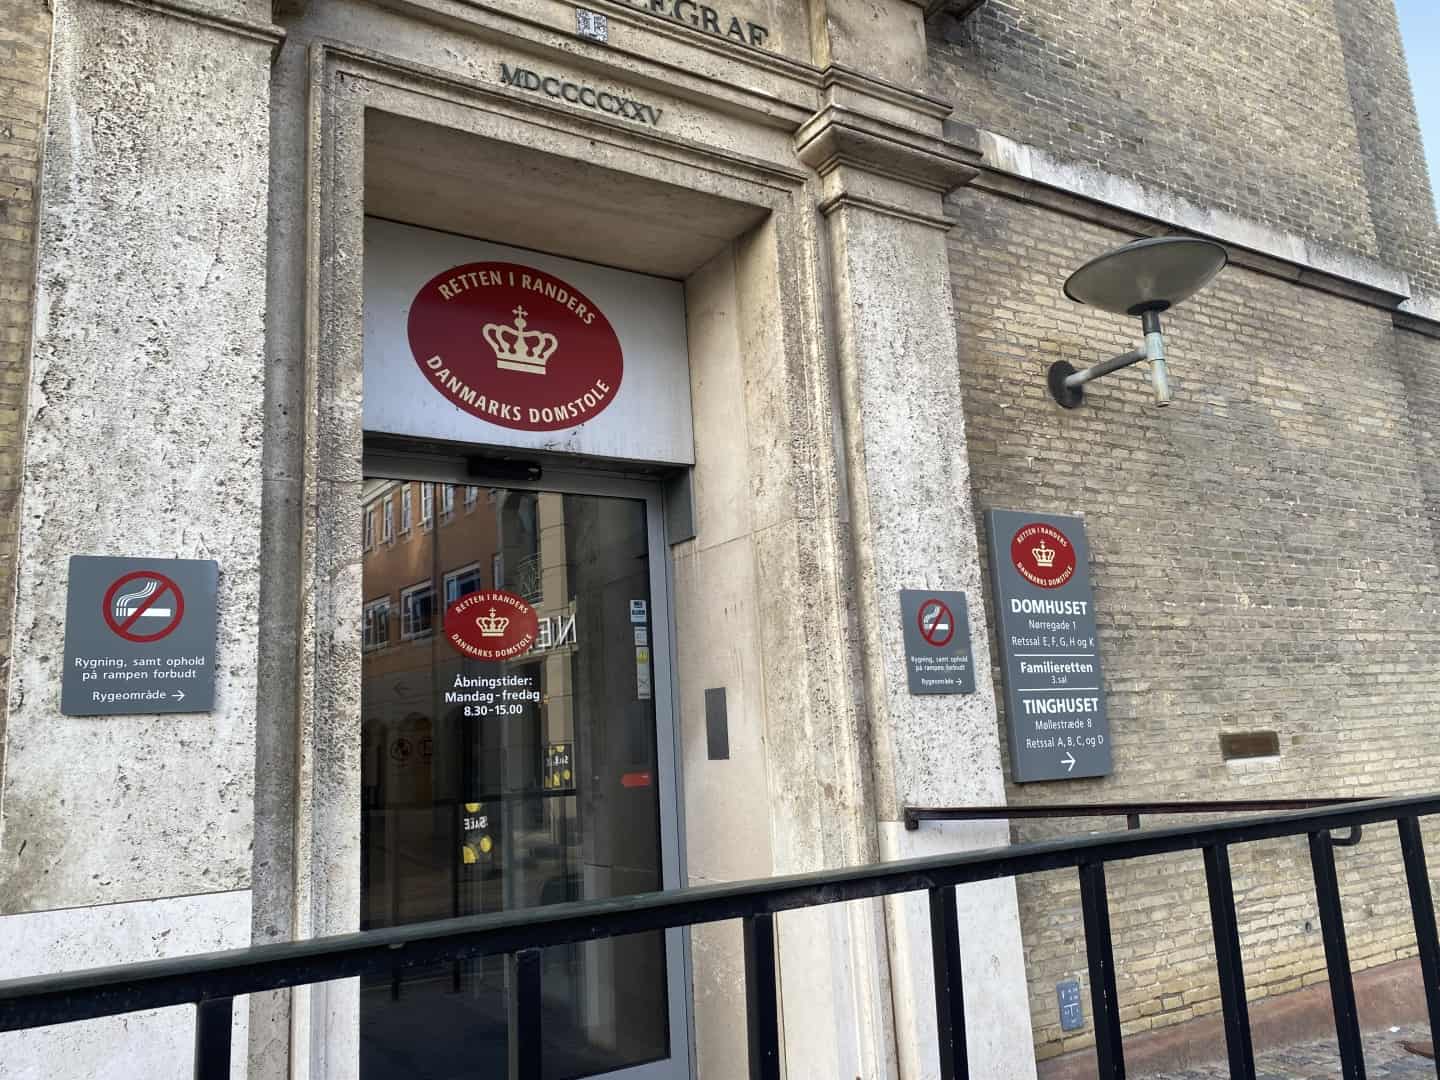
(492, 786)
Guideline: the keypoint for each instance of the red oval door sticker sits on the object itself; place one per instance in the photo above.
(492, 625)
(1043, 555)
(515, 346)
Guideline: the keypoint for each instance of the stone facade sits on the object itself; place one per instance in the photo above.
(872, 211)
(789, 186)
(195, 246)
(24, 65)
(142, 427)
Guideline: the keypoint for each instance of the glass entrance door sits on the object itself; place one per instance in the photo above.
(502, 774)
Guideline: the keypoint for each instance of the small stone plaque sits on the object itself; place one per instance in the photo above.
(592, 25)
(1235, 745)
(1072, 1012)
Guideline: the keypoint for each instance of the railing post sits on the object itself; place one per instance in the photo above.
(949, 986)
(1228, 962)
(1337, 956)
(762, 1003)
(213, 1025)
(525, 1015)
(1094, 905)
(1422, 907)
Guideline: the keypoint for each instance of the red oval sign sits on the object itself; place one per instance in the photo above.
(515, 346)
(1043, 555)
(492, 625)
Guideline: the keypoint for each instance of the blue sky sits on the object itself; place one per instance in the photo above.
(1420, 27)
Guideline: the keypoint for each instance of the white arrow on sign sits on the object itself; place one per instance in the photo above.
(179, 695)
(1068, 761)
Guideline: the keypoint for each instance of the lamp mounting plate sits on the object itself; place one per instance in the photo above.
(1071, 397)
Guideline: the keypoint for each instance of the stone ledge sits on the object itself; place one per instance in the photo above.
(268, 33)
(834, 137)
(1008, 186)
(485, 21)
(1101, 213)
(355, 62)
(879, 206)
(925, 104)
(959, 9)
(1428, 325)
(1421, 307)
(1086, 182)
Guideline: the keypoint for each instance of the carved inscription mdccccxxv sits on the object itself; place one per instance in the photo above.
(580, 94)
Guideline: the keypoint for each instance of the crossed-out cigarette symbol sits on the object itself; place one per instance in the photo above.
(937, 624)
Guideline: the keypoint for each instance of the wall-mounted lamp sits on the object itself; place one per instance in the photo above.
(1142, 278)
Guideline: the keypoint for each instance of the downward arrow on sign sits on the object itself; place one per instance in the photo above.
(1068, 761)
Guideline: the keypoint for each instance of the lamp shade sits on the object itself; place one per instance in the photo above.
(1147, 275)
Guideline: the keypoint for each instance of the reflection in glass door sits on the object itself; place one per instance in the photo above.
(496, 784)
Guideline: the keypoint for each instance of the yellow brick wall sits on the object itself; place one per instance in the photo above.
(1264, 558)
(24, 69)
(1296, 113)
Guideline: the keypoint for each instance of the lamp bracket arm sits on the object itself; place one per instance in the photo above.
(1105, 367)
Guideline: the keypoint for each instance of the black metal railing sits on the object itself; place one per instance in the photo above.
(1130, 811)
(213, 981)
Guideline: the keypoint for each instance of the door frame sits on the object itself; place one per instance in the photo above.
(609, 482)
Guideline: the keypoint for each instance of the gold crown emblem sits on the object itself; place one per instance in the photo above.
(1044, 556)
(492, 625)
(518, 349)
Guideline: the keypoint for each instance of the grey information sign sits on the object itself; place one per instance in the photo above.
(1054, 692)
(937, 641)
(139, 636)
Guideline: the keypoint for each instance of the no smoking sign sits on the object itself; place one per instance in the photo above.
(139, 636)
(937, 641)
(936, 622)
(141, 599)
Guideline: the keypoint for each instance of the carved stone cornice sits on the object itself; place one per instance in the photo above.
(958, 9)
(201, 15)
(836, 137)
(838, 76)
(1415, 323)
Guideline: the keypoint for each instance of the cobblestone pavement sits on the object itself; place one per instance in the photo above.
(1385, 1059)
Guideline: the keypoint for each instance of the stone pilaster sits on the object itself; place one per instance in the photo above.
(884, 171)
(883, 38)
(143, 425)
